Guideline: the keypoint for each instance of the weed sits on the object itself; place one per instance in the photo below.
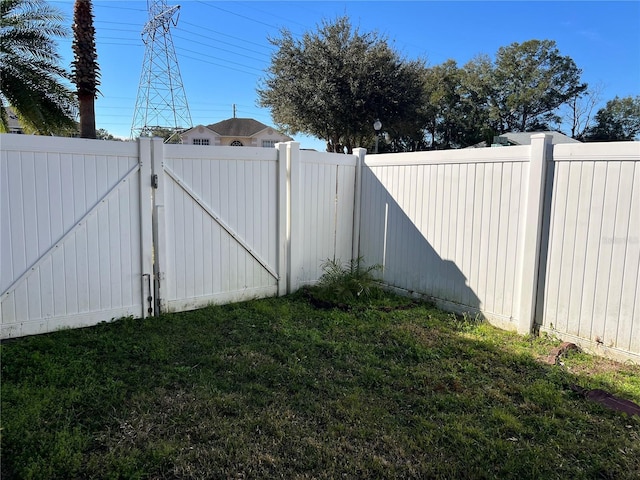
(465, 322)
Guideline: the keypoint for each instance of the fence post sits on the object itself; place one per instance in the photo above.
(360, 153)
(533, 225)
(159, 228)
(294, 261)
(146, 226)
(283, 217)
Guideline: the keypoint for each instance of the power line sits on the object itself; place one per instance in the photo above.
(261, 45)
(218, 48)
(214, 63)
(237, 14)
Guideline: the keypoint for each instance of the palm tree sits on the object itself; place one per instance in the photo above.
(86, 73)
(33, 84)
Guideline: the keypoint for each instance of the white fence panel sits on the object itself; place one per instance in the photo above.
(220, 224)
(322, 209)
(592, 284)
(70, 248)
(449, 225)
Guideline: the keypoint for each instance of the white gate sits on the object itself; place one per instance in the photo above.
(219, 217)
(75, 247)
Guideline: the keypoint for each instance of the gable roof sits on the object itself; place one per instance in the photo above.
(524, 138)
(238, 127)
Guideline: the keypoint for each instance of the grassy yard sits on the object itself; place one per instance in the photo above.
(277, 388)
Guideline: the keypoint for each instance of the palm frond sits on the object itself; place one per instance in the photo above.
(33, 83)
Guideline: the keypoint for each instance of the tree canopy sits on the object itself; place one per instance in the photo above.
(33, 83)
(335, 82)
(619, 120)
(457, 105)
(529, 82)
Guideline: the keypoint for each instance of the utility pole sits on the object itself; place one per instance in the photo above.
(161, 101)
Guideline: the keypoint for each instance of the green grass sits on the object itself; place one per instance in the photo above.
(276, 388)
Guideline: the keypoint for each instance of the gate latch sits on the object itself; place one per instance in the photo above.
(154, 181)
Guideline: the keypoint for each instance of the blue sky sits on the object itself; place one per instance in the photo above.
(223, 47)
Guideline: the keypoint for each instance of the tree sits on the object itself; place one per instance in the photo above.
(335, 82)
(619, 120)
(33, 83)
(85, 69)
(442, 88)
(579, 111)
(476, 125)
(456, 104)
(102, 134)
(168, 135)
(529, 82)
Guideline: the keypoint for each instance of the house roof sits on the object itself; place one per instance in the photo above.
(524, 138)
(238, 127)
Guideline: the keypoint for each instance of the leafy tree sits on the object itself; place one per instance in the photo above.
(619, 120)
(442, 88)
(102, 134)
(475, 123)
(86, 72)
(168, 135)
(530, 81)
(335, 82)
(456, 101)
(33, 83)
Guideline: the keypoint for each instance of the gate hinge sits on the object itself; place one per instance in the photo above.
(154, 180)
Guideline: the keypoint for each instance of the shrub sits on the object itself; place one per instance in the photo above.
(347, 282)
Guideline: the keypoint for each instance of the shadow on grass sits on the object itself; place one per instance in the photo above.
(277, 388)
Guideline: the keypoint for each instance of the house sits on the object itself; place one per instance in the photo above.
(235, 132)
(13, 122)
(524, 138)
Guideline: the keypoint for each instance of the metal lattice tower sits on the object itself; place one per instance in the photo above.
(161, 101)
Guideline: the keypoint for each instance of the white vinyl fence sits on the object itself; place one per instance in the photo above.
(95, 230)
(537, 237)
(591, 275)
(71, 247)
(322, 200)
(541, 237)
(448, 225)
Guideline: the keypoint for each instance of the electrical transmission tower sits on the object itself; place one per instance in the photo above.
(161, 101)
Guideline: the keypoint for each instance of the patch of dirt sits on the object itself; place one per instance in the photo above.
(601, 365)
(426, 336)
